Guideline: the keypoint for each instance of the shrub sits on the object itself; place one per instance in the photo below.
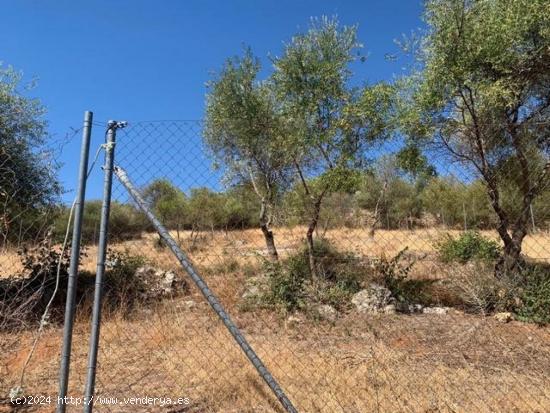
(24, 297)
(395, 277)
(468, 246)
(292, 286)
(285, 286)
(125, 222)
(535, 295)
(123, 288)
(479, 291)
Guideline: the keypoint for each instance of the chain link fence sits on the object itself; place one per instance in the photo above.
(397, 307)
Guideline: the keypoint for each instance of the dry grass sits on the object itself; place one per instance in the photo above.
(422, 363)
(361, 364)
(244, 246)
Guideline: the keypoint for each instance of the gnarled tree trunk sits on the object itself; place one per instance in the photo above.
(267, 232)
(309, 234)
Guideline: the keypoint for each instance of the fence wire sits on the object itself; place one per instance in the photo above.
(404, 312)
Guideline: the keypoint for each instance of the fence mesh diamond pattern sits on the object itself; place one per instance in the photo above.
(401, 311)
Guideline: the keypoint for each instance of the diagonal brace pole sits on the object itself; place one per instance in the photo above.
(205, 290)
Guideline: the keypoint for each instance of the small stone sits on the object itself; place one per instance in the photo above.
(293, 321)
(389, 309)
(255, 287)
(416, 308)
(251, 292)
(504, 317)
(327, 312)
(436, 310)
(189, 304)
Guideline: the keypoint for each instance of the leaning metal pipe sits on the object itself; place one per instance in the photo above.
(208, 294)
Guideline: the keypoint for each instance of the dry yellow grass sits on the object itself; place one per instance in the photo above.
(422, 363)
(245, 245)
(361, 364)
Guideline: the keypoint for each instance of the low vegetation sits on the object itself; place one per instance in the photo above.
(293, 286)
(468, 246)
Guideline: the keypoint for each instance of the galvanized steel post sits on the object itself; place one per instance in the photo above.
(100, 272)
(73, 268)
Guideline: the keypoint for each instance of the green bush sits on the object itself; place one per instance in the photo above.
(535, 295)
(285, 286)
(470, 245)
(123, 289)
(292, 286)
(125, 222)
(395, 277)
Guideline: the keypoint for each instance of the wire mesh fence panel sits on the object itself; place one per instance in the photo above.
(398, 305)
(33, 265)
(398, 317)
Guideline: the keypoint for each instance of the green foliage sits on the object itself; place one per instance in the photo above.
(29, 187)
(285, 286)
(456, 204)
(471, 98)
(535, 295)
(125, 222)
(412, 161)
(123, 289)
(396, 200)
(338, 277)
(395, 277)
(470, 245)
(168, 202)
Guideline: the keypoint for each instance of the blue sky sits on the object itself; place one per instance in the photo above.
(148, 60)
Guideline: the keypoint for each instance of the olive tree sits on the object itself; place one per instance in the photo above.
(28, 183)
(168, 202)
(243, 132)
(327, 121)
(481, 95)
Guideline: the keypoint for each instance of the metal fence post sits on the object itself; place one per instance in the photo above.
(73, 268)
(100, 272)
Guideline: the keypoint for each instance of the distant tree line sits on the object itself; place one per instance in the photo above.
(377, 201)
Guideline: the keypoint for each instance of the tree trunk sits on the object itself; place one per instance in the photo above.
(510, 262)
(269, 243)
(309, 235)
(268, 234)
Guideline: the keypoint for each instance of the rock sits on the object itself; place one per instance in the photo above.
(504, 317)
(389, 309)
(255, 287)
(415, 308)
(407, 308)
(167, 281)
(293, 321)
(372, 299)
(436, 310)
(326, 312)
(189, 304)
(159, 283)
(251, 292)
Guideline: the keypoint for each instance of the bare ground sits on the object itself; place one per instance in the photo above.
(360, 363)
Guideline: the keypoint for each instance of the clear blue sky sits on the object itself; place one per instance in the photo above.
(145, 60)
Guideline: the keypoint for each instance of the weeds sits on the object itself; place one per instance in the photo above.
(394, 273)
(292, 286)
(470, 245)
